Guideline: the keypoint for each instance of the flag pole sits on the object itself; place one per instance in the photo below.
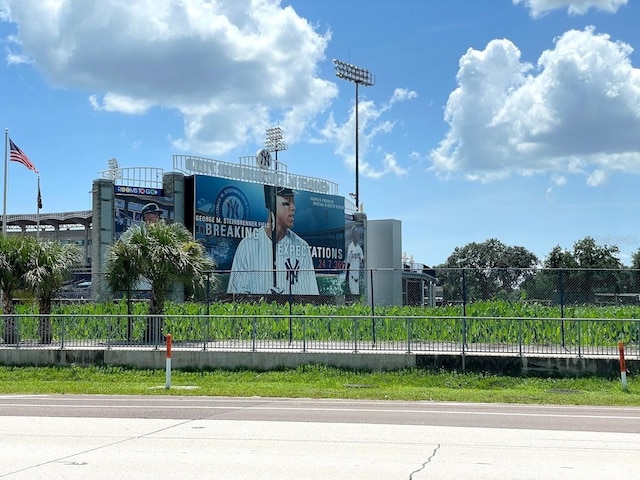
(38, 212)
(4, 200)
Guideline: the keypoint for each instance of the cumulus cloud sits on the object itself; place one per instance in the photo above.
(112, 102)
(13, 43)
(231, 68)
(574, 7)
(577, 110)
(371, 125)
(558, 179)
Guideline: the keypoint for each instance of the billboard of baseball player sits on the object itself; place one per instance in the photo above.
(138, 205)
(354, 263)
(248, 230)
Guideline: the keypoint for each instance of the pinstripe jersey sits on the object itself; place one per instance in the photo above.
(252, 268)
(355, 256)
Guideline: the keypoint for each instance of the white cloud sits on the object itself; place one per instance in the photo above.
(112, 102)
(596, 177)
(231, 67)
(391, 164)
(574, 7)
(577, 110)
(402, 94)
(371, 126)
(12, 57)
(16, 59)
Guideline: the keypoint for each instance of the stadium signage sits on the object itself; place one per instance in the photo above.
(216, 168)
(130, 190)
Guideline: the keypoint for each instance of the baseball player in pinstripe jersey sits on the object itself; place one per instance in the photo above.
(252, 271)
(355, 260)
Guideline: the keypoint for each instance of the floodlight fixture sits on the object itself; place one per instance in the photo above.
(359, 76)
(354, 74)
(275, 140)
(114, 169)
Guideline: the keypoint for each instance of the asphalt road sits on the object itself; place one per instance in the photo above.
(144, 437)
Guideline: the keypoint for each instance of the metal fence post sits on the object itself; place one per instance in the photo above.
(561, 290)
(355, 335)
(254, 333)
(464, 292)
(62, 332)
(520, 337)
(208, 293)
(206, 319)
(290, 301)
(464, 335)
(129, 317)
(373, 331)
(304, 334)
(464, 310)
(110, 331)
(373, 308)
(579, 338)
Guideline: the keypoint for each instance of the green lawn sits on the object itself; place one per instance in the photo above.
(322, 382)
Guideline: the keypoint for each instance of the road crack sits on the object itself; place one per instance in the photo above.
(433, 454)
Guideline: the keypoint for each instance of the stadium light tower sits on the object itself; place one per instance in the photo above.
(359, 76)
(275, 141)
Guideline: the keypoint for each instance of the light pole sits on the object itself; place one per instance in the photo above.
(274, 143)
(359, 76)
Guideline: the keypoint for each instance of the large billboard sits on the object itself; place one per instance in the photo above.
(241, 224)
(137, 205)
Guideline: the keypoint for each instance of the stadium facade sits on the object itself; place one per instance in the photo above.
(222, 203)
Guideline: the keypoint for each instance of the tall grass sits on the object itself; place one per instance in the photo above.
(526, 323)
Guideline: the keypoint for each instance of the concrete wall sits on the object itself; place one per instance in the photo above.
(207, 360)
(101, 233)
(265, 361)
(384, 257)
(173, 185)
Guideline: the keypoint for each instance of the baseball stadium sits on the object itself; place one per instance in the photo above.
(330, 253)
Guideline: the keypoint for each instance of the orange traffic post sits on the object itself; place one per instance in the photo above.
(167, 383)
(623, 367)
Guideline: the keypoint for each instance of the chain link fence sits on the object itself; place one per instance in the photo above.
(560, 287)
(407, 286)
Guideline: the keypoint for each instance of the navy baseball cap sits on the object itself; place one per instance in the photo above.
(270, 190)
(151, 208)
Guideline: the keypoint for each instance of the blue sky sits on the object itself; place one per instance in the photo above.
(510, 119)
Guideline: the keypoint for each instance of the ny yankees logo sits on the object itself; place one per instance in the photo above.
(292, 271)
(232, 206)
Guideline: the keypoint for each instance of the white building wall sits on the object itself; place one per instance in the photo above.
(384, 261)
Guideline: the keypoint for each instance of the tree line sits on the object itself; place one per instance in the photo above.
(491, 269)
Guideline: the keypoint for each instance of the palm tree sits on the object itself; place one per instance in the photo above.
(49, 265)
(124, 265)
(162, 254)
(14, 255)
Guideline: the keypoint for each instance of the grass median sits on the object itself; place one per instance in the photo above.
(316, 381)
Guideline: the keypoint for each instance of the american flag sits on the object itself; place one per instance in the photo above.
(19, 156)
